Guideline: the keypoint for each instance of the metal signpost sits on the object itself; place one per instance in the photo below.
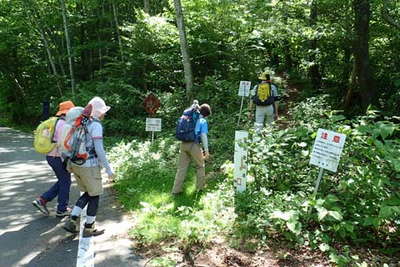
(153, 125)
(244, 90)
(240, 157)
(328, 147)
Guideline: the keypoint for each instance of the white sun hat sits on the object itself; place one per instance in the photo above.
(99, 107)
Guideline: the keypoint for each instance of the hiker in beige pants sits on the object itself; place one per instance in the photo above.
(194, 151)
(190, 150)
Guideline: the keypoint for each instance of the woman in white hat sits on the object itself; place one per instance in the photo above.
(88, 175)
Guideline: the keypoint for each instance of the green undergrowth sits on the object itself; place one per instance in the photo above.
(145, 176)
(356, 207)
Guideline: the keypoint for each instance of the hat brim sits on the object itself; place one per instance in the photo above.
(101, 111)
(62, 112)
(105, 109)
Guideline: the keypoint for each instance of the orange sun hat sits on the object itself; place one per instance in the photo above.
(63, 107)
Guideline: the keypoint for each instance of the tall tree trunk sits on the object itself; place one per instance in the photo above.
(361, 87)
(34, 17)
(184, 49)
(115, 13)
(146, 6)
(314, 71)
(287, 54)
(68, 42)
(50, 57)
(346, 67)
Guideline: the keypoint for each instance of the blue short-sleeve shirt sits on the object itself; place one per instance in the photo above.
(201, 126)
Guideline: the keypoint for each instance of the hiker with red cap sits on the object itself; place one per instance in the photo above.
(87, 171)
(62, 187)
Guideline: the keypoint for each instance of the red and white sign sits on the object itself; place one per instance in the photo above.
(328, 147)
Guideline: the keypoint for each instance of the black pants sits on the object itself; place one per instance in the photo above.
(91, 201)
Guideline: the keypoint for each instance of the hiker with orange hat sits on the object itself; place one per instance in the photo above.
(62, 187)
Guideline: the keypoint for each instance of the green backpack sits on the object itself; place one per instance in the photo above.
(43, 136)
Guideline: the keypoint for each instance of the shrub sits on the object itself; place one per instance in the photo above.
(360, 203)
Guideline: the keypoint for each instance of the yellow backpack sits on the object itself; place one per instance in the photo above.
(43, 136)
(263, 96)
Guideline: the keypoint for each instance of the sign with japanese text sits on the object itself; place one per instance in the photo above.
(244, 88)
(328, 147)
(240, 157)
(153, 125)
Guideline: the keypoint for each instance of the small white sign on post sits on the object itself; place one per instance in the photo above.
(244, 88)
(240, 157)
(328, 147)
(153, 125)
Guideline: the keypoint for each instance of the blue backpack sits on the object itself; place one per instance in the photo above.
(186, 125)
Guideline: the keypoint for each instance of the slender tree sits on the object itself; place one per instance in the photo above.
(314, 72)
(184, 48)
(34, 18)
(115, 13)
(68, 42)
(361, 88)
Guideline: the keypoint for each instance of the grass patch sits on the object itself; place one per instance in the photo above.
(145, 176)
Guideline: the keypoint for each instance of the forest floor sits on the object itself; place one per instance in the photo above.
(221, 254)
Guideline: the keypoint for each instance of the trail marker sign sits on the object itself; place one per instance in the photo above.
(244, 88)
(328, 147)
(153, 125)
(240, 158)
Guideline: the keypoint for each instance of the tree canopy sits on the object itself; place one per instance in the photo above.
(77, 49)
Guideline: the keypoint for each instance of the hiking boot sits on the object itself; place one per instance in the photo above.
(62, 214)
(41, 206)
(71, 226)
(90, 230)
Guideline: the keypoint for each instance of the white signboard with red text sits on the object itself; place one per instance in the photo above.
(328, 147)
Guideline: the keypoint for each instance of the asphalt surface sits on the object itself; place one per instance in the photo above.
(27, 238)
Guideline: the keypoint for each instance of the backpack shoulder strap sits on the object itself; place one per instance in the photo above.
(54, 130)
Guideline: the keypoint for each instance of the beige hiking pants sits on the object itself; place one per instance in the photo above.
(189, 151)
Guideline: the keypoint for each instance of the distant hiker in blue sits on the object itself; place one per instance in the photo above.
(192, 130)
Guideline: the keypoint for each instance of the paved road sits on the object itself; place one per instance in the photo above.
(27, 238)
